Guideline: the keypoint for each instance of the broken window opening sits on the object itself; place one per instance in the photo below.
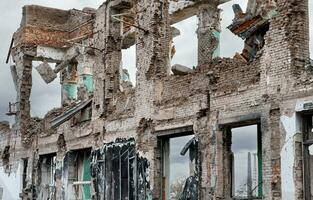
(179, 167)
(42, 92)
(121, 172)
(251, 26)
(184, 46)
(245, 150)
(79, 174)
(128, 67)
(47, 179)
(24, 173)
(227, 37)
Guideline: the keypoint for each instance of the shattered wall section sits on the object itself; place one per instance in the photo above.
(217, 95)
(38, 27)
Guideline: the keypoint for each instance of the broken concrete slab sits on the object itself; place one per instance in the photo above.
(178, 69)
(46, 72)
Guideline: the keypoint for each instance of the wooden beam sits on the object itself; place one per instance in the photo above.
(10, 49)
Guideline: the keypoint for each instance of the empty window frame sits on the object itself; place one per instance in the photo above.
(128, 67)
(308, 156)
(24, 173)
(183, 49)
(227, 37)
(44, 97)
(246, 162)
(47, 179)
(120, 173)
(179, 167)
(79, 174)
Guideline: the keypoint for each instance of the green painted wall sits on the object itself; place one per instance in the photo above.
(88, 82)
(71, 90)
(86, 177)
(217, 50)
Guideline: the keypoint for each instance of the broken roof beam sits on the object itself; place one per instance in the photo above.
(246, 24)
(49, 54)
(184, 9)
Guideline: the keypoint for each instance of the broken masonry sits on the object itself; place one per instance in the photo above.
(228, 128)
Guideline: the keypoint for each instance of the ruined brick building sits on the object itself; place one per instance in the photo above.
(111, 140)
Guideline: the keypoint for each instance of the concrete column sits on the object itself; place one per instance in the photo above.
(208, 33)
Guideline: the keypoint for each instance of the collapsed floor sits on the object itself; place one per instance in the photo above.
(113, 140)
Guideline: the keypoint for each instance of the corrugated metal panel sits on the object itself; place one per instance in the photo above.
(68, 114)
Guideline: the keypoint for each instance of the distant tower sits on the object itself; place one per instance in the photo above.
(249, 178)
(255, 175)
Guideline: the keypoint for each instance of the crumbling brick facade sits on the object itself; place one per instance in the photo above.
(269, 84)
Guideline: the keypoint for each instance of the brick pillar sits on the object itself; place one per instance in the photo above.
(208, 33)
(98, 67)
(23, 60)
(112, 57)
(152, 39)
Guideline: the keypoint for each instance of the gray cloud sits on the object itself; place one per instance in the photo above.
(244, 139)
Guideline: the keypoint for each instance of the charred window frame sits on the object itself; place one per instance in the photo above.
(307, 157)
(253, 191)
(24, 173)
(190, 186)
(47, 169)
(119, 172)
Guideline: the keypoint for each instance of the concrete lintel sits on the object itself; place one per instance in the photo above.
(241, 120)
(50, 54)
(185, 130)
(182, 10)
